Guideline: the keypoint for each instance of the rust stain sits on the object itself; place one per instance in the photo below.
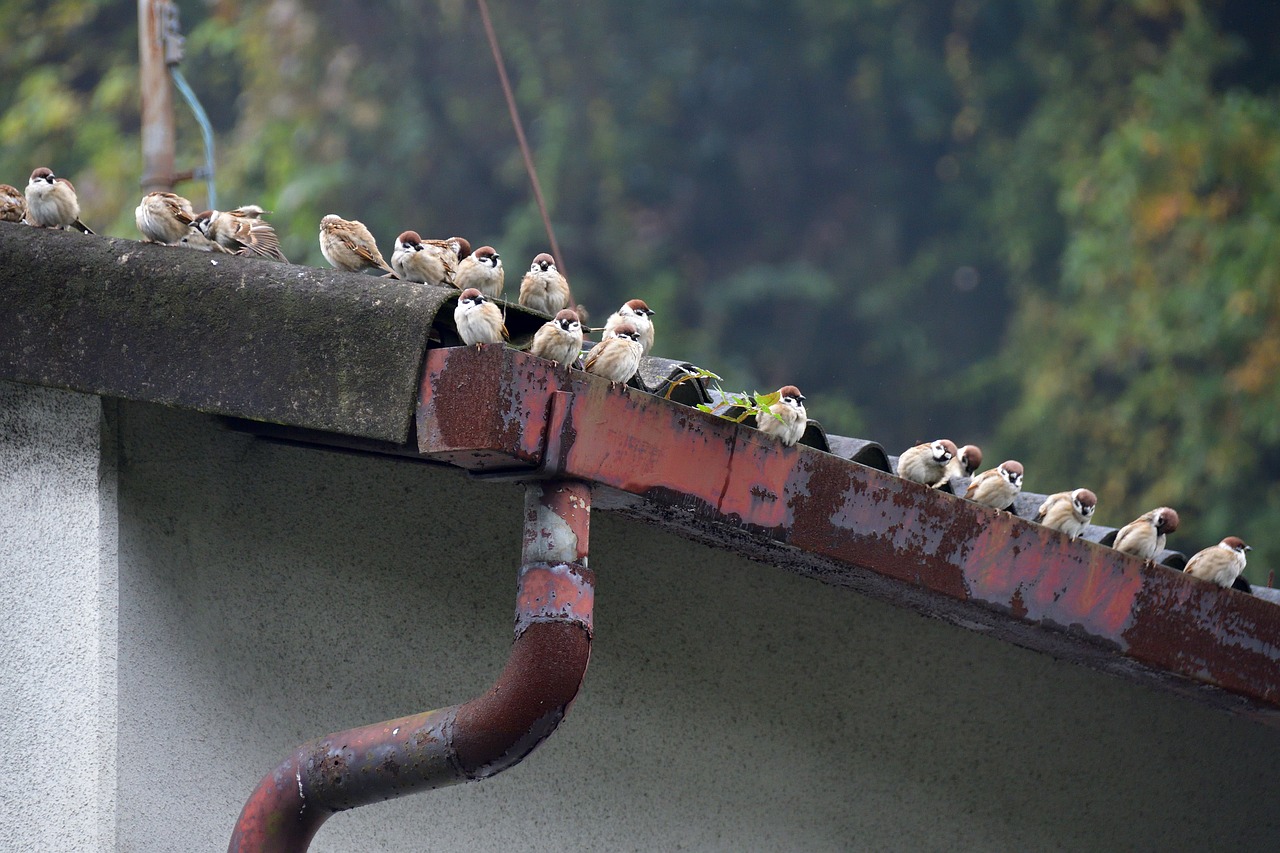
(697, 468)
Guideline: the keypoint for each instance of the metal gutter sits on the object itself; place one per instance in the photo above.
(462, 743)
(497, 413)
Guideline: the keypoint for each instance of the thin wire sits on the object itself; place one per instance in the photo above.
(206, 131)
(524, 143)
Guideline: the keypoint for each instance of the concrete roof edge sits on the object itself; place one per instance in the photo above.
(243, 337)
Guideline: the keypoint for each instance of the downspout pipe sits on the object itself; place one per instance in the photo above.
(461, 743)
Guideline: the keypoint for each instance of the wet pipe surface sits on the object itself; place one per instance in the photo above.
(492, 409)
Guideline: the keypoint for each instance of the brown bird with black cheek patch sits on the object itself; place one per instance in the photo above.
(347, 245)
(52, 202)
(926, 463)
(616, 359)
(1221, 564)
(479, 321)
(559, 340)
(787, 418)
(998, 487)
(242, 231)
(639, 315)
(13, 204)
(482, 270)
(544, 289)
(426, 261)
(1068, 512)
(965, 464)
(1144, 537)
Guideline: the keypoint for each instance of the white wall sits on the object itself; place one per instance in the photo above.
(57, 622)
(270, 594)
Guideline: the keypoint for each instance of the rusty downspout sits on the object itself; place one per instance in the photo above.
(461, 743)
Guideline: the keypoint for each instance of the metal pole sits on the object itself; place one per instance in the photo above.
(157, 98)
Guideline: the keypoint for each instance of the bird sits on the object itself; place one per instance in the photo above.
(636, 313)
(461, 247)
(786, 419)
(482, 270)
(1221, 563)
(347, 245)
(195, 239)
(997, 487)
(618, 358)
(1068, 512)
(544, 289)
(479, 321)
(926, 463)
(242, 231)
(966, 462)
(427, 261)
(164, 217)
(13, 204)
(559, 340)
(52, 202)
(1144, 537)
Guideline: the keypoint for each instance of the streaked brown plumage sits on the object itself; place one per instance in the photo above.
(483, 270)
(997, 487)
(926, 463)
(794, 418)
(1220, 564)
(479, 321)
(163, 217)
(616, 359)
(559, 340)
(348, 245)
(1144, 537)
(13, 204)
(1068, 512)
(544, 289)
(52, 202)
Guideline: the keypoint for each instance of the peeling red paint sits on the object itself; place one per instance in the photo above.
(714, 475)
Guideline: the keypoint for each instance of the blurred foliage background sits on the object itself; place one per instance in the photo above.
(1043, 226)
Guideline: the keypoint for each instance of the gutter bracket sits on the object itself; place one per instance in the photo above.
(557, 440)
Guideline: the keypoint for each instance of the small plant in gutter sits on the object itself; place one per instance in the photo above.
(693, 372)
(737, 407)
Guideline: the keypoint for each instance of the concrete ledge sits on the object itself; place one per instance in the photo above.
(278, 343)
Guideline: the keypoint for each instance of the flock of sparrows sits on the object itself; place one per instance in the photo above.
(628, 334)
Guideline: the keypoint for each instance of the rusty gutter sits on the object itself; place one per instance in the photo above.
(462, 743)
(501, 413)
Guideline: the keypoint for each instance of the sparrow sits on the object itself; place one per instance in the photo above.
(242, 231)
(52, 202)
(1220, 564)
(479, 321)
(544, 289)
(559, 340)
(616, 359)
(13, 204)
(926, 463)
(965, 464)
(637, 314)
(997, 487)
(790, 408)
(483, 271)
(461, 247)
(163, 217)
(1068, 512)
(195, 239)
(1144, 536)
(348, 245)
(427, 261)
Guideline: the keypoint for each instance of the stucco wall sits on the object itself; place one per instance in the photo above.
(57, 600)
(271, 593)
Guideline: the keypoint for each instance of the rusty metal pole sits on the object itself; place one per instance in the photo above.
(461, 743)
(157, 98)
